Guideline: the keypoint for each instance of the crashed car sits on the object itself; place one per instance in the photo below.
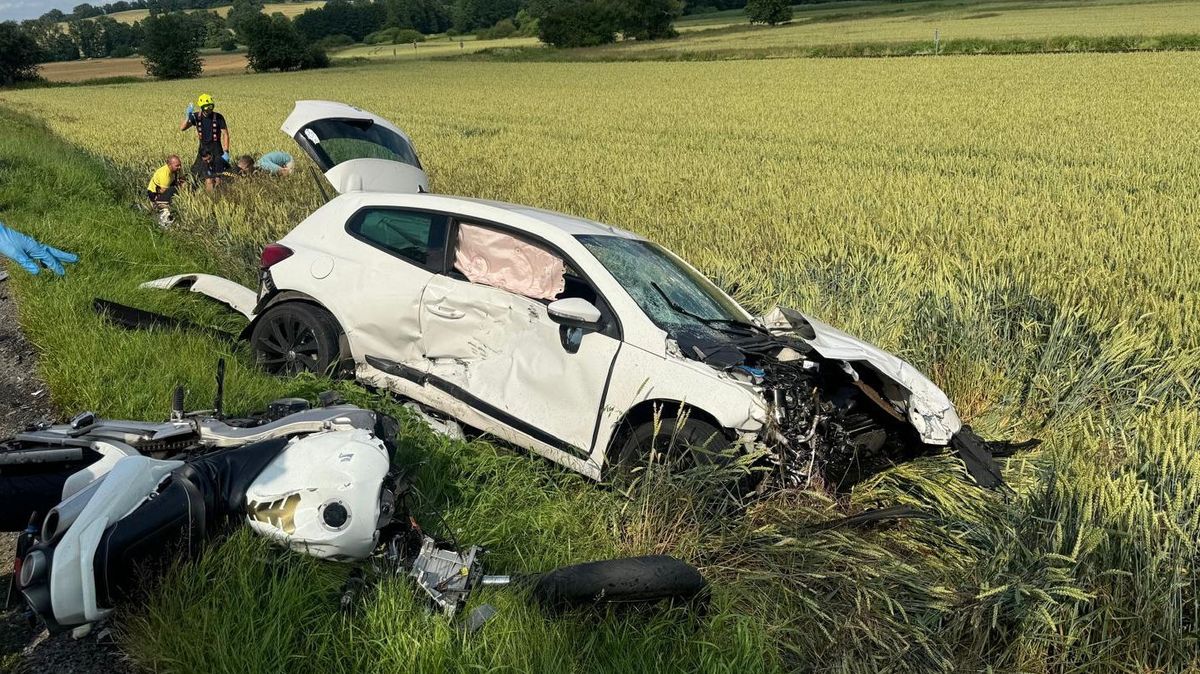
(582, 342)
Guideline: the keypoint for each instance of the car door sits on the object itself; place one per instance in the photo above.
(357, 150)
(390, 260)
(491, 343)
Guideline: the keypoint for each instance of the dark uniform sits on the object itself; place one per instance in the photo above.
(208, 129)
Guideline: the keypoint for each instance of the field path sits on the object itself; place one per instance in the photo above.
(90, 69)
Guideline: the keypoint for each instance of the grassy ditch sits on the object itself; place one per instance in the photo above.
(1090, 565)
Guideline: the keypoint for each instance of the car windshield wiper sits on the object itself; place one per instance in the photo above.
(713, 322)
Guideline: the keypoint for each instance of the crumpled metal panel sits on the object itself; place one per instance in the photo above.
(929, 409)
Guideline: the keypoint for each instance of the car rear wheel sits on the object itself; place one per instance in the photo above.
(296, 337)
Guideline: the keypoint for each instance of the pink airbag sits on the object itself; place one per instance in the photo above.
(503, 261)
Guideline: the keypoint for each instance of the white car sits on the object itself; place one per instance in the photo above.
(582, 342)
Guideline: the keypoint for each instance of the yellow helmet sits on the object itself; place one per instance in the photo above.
(204, 100)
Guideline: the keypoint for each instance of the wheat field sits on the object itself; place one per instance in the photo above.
(1023, 228)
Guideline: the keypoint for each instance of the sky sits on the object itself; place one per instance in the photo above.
(19, 10)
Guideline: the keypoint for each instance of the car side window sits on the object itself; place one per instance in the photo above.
(417, 237)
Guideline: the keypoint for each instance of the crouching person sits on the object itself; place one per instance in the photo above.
(161, 190)
(277, 163)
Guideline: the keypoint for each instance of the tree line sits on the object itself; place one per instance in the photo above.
(170, 37)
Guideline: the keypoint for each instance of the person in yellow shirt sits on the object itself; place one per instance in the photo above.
(162, 187)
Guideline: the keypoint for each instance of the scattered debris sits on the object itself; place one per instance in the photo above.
(447, 427)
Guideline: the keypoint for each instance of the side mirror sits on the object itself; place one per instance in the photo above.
(574, 312)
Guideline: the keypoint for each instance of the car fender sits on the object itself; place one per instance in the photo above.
(641, 376)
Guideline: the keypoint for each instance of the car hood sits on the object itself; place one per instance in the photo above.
(926, 406)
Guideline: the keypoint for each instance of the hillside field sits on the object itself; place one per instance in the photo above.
(288, 9)
(1023, 228)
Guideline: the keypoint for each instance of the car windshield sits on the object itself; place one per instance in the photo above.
(677, 298)
(339, 140)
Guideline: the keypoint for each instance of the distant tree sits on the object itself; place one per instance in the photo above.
(770, 12)
(425, 16)
(211, 27)
(469, 15)
(156, 7)
(503, 28)
(357, 18)
(170, 47)
(119, 6)
(331, 42)
(19, 55)
(53, 16)
(274, 43)
(648, 19)
(85, 11)
(111, 37)
(576, 23)
(89, 37)
(527, 24)
(52, 42)
(241, 12)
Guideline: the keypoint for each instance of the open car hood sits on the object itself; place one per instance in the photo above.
(358, 151)
(927, 407)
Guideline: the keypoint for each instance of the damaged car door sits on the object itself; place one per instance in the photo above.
(358, 151)
(397, 251)
(514, 332)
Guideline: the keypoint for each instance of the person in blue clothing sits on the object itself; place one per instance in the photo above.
(277, 163)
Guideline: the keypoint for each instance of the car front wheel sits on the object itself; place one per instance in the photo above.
(677, 443)
(296, 337)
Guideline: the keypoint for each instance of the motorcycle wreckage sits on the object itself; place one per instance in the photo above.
(121, 496)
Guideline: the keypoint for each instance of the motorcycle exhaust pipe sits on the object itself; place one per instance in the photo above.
(62, 516)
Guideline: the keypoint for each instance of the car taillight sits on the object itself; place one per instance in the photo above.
(273, 254)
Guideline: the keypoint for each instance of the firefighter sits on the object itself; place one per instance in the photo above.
(213, 136)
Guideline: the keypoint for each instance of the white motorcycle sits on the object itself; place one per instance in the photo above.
(120, 495)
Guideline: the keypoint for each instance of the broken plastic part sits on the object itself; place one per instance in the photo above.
(447, 427)
(479, 616)
(236, 296)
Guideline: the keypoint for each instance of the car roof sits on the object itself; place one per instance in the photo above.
(485, 209)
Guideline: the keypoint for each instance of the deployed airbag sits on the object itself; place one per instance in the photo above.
(504, 261)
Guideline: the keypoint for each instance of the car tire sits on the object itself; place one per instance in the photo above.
(295, 337)
(681, 443)
(618, 581)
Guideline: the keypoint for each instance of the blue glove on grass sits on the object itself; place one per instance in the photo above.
(191, 109)
(27, 252)
(225, 158)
